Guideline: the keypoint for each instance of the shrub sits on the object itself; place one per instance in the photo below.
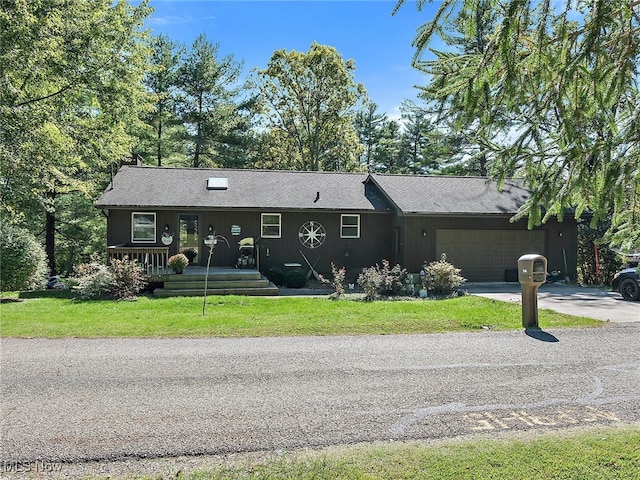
(128, 278)
(178, 262)
(441, 277)
(23, 261)
(393, 280)
(337, 282)
(370, 280)
(376, 281)
(94, 279)
(276, 275)
(296, 278)
(121, 279)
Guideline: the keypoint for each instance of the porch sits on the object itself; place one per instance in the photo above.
(153, 260)
(221, 280)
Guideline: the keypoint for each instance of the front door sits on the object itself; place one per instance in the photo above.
(189, 237)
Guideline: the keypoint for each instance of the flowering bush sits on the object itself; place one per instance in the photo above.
(94, 279)
(337, 282)
(128, 278)
(441, 277)
(121, 279)
(178, 262)
(376, 281)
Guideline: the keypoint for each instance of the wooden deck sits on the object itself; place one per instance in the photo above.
(221, 281)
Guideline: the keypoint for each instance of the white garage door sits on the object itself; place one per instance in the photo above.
(485, 255)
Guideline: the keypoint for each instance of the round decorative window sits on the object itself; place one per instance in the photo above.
(312, 234)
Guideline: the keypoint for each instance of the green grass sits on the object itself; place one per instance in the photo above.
(56, 315)
(592, 454)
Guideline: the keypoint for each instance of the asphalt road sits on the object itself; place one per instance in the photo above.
(75, 400)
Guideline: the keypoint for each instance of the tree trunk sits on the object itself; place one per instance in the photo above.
(483, 164)
(50, 238)
(159, 150)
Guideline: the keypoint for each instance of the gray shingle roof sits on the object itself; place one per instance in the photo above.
(436, 194)
(265, 189)
(156, 187)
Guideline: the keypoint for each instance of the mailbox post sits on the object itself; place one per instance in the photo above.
(532, 272)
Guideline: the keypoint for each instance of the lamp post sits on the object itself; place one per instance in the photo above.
(211, 241)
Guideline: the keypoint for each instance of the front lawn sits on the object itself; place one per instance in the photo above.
(57, 315)
(594, 454)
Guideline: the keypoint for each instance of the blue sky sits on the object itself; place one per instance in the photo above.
(362, 30)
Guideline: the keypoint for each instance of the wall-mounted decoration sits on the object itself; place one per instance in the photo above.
(167, 238)
(235, 230)
(312, 234)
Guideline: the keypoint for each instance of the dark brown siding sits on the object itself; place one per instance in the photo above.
(399, 239)
(417, 248)
(372, 247)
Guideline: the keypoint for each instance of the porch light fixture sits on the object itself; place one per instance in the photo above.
(560, 233)
(424, 233)
(210, 228)
(167, 227)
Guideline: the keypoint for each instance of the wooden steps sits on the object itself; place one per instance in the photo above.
(222, 281)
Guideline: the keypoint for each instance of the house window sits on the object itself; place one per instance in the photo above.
(349, 226)
(143, 227)
(271, 223)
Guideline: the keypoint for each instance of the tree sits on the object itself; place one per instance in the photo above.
(391, 149)
(564, 77)
(308, 102)
(467, 35)
(162, 80)
(71, 74)
(368, 125)
(208, 106)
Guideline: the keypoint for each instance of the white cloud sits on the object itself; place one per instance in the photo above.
(171, 20)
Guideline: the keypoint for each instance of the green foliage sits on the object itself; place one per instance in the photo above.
(295, 278)
(72, 91)
(376, 281)
(368, 124)
(548, 91)
(597, 263)
(314, 130)
(23, 262)
(121, 279)
(277, 276)
(209, 104)
(93, 280)
(441, 277)
(163, 139)
(178, 262)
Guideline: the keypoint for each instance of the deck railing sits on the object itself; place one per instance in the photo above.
(153, 260)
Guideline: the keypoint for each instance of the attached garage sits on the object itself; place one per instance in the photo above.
(486, 255)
